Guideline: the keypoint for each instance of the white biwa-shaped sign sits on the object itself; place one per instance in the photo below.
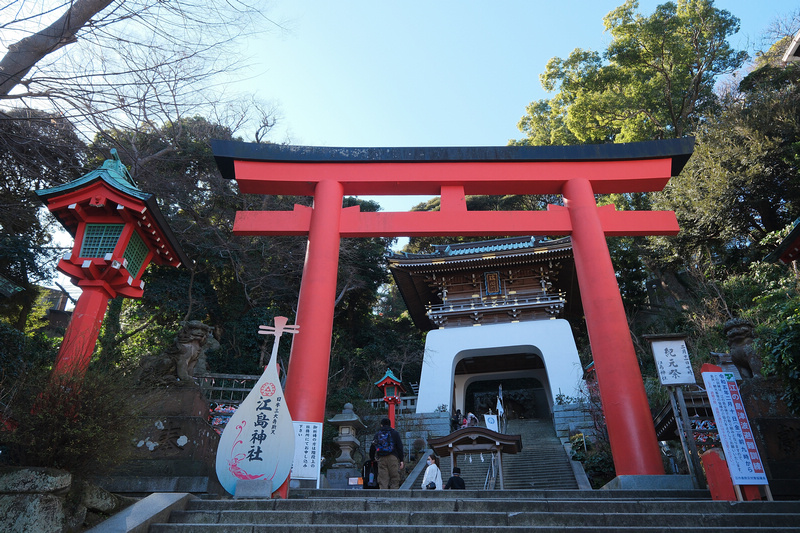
(258, 442)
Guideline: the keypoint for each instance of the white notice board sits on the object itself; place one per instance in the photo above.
(672, 362)
(735, 431)
(307, 451)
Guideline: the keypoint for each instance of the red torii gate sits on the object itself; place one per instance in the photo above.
(576, 172)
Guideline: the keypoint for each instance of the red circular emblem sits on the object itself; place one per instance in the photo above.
(267, 389)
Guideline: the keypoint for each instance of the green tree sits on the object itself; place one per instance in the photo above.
(655, 80)
(37, 150)
(234, 283)
(742, 183)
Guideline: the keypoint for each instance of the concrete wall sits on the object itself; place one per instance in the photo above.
(552, 340)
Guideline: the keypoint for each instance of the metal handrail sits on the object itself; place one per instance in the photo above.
(491, 475)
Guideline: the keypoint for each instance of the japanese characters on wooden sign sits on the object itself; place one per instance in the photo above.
(308, 450)
(258, 442)
(735, 432)
(672, 362)
(492, 283)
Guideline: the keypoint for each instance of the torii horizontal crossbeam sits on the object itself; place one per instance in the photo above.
(554, 221)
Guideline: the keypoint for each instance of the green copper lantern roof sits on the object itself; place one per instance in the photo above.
(388, 375)
(112, 172)
(116, 176)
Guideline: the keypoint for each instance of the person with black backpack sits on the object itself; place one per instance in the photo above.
(387, 449)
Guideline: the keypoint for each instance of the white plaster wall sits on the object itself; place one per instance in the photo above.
(552, 340)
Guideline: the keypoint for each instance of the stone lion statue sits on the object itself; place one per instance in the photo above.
(179, 362)
(740, 340)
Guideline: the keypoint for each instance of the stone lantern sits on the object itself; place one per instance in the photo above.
(118, 231)
(348, 424)
(391, 388)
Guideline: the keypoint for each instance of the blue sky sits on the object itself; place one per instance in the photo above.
(433, 72)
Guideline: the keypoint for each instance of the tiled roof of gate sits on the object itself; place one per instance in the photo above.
(483, 247)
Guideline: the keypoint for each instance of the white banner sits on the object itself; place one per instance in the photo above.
(491, 422)
(735, 431)
(672, 362)
(307, 451)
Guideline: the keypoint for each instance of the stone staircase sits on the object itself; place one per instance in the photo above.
(511, 510)
(540, 496)
(541, 464)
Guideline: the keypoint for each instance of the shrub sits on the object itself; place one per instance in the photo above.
(83, 426)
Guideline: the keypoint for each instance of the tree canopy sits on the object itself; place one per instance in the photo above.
(654, 81)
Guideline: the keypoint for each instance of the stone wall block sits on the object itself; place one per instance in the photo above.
(31, 513)
(33, 480)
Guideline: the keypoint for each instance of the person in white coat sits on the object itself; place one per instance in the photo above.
(432, 473)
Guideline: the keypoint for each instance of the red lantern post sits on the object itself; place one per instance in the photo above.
(118, 232)
(391, 388)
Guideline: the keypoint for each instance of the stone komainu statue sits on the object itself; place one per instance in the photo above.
(182, 358)
(740, 341)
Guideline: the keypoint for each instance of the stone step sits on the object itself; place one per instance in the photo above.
(371, 528)
(529, 494)
(488, 519)
(516, 510)
(494, 504)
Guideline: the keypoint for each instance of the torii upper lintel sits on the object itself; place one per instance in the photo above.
(576, 172)
(295, 170)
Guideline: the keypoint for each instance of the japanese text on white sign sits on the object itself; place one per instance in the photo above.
(672, 362)
(735, 431)
(307, 450)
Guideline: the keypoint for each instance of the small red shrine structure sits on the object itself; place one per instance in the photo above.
(118, 231)
(575, 172)
(391, 387)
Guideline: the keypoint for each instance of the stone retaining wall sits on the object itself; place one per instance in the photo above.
(572, 418)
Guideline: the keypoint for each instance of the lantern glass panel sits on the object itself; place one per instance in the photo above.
(135, 253)
(390, 390)
(100, 239)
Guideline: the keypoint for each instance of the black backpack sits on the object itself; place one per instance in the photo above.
(384, 442)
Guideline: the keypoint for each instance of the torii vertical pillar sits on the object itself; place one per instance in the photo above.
(576, 172)
(306, 387)
(622, 391)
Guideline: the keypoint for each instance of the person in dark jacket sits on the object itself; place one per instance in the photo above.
(389, 462)
(455, 481)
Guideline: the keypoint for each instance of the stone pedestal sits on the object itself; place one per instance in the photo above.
(175, 450)
(777, 433)
(339, 478)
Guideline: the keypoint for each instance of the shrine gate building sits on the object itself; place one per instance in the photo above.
(496, 313)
